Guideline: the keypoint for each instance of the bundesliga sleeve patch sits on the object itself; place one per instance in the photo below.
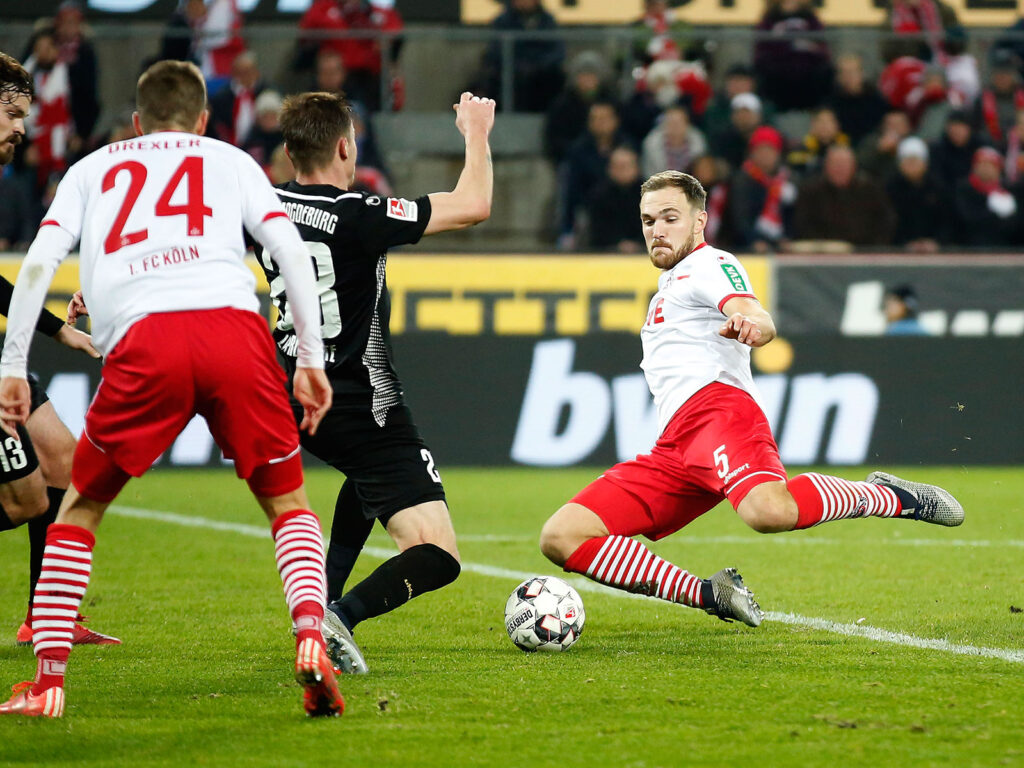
(402, 209)
(735, 277)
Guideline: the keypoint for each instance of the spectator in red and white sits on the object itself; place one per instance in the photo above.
(794, 68)
(612, 207)
(986, 210)
(921, 202)
(822, 134)
(674, 143)
(566, 119)
(713, 174)
(953, 154)
(362, 55)
(857, 104)
(732, 142)
(761, 195)
(928, 18)
(218, 34)
(999, 103)
(1014, 166)
(877, 152)
(665, 83)
(908, 83)
(78, 53)
(265, 135)
(233, 107)
(842, 204)
(661, 32)
(50, 127)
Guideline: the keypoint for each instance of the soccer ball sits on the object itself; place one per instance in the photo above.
(544, 614)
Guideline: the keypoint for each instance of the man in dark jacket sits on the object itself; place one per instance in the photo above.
(953, 153)
(988, 215)
(842, 204)
(921, 202)
(536, 64)
(614, 225)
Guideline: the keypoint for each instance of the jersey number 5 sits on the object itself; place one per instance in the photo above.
(194, 208)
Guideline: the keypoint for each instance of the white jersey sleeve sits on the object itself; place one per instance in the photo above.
(718, 277)
(67, 210)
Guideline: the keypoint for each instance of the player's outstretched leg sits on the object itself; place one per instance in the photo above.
(299, 549)
(822, 498)
(425, 535)
(65, 576)
(576, 539)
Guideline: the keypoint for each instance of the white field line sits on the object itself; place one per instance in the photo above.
(583, 585)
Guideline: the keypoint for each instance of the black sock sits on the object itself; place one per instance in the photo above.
(908, 500)
(419, 569)
(349, 531)
(707, 594)
(37, 537)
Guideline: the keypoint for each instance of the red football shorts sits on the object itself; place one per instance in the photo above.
(718, 445)
(170, 366)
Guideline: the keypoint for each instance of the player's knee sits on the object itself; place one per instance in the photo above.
(22, 509)
(556, 541)
(446, 566)
(772, 514)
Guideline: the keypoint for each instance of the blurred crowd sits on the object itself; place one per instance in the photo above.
(800, 147)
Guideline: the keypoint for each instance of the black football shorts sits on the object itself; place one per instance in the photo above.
(391, 467)
(18, 457)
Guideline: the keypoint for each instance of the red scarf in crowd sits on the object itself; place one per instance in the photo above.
(718, 195)
(984, 187)
(50, 126)
(769, 222)
(908, 19)
(991, 115)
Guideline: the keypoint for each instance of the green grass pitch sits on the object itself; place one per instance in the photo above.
(203, 677)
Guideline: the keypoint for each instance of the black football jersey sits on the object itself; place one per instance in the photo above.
(348, 235)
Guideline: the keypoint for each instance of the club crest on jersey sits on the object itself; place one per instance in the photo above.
(402, 209)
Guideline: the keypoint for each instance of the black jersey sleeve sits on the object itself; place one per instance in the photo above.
(48, 322)
(385, 222)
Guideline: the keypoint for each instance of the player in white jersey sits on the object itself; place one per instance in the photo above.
(715, 442)
(160, 221)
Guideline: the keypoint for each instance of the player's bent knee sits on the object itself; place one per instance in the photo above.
(769, 511)
(95, 475)
(446, 567)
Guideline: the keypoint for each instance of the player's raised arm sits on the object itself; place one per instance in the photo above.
(747, 322)
(470, 202)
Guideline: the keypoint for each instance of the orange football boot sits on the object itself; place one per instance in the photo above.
(49, 703)
(315, 673)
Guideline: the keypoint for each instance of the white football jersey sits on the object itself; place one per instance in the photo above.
(160, 220)
(682, 349)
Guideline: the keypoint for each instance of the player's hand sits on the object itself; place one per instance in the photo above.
(74, 339)
(77, 308)
(742, 329)
(474, 114)
(312, 389)
(15, 403)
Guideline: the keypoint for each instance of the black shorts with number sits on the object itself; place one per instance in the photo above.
(391, 467)
(18, 457)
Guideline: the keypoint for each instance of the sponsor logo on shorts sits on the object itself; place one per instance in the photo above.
(402, 209)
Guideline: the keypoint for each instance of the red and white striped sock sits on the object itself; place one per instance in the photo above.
(67, 563)
(822, 498)
(625, 563)
(299, 548)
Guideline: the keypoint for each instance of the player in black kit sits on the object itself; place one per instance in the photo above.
(369, 434)
(33, 479)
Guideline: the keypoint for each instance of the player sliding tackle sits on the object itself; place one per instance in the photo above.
(715, 441)
(160, 221)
